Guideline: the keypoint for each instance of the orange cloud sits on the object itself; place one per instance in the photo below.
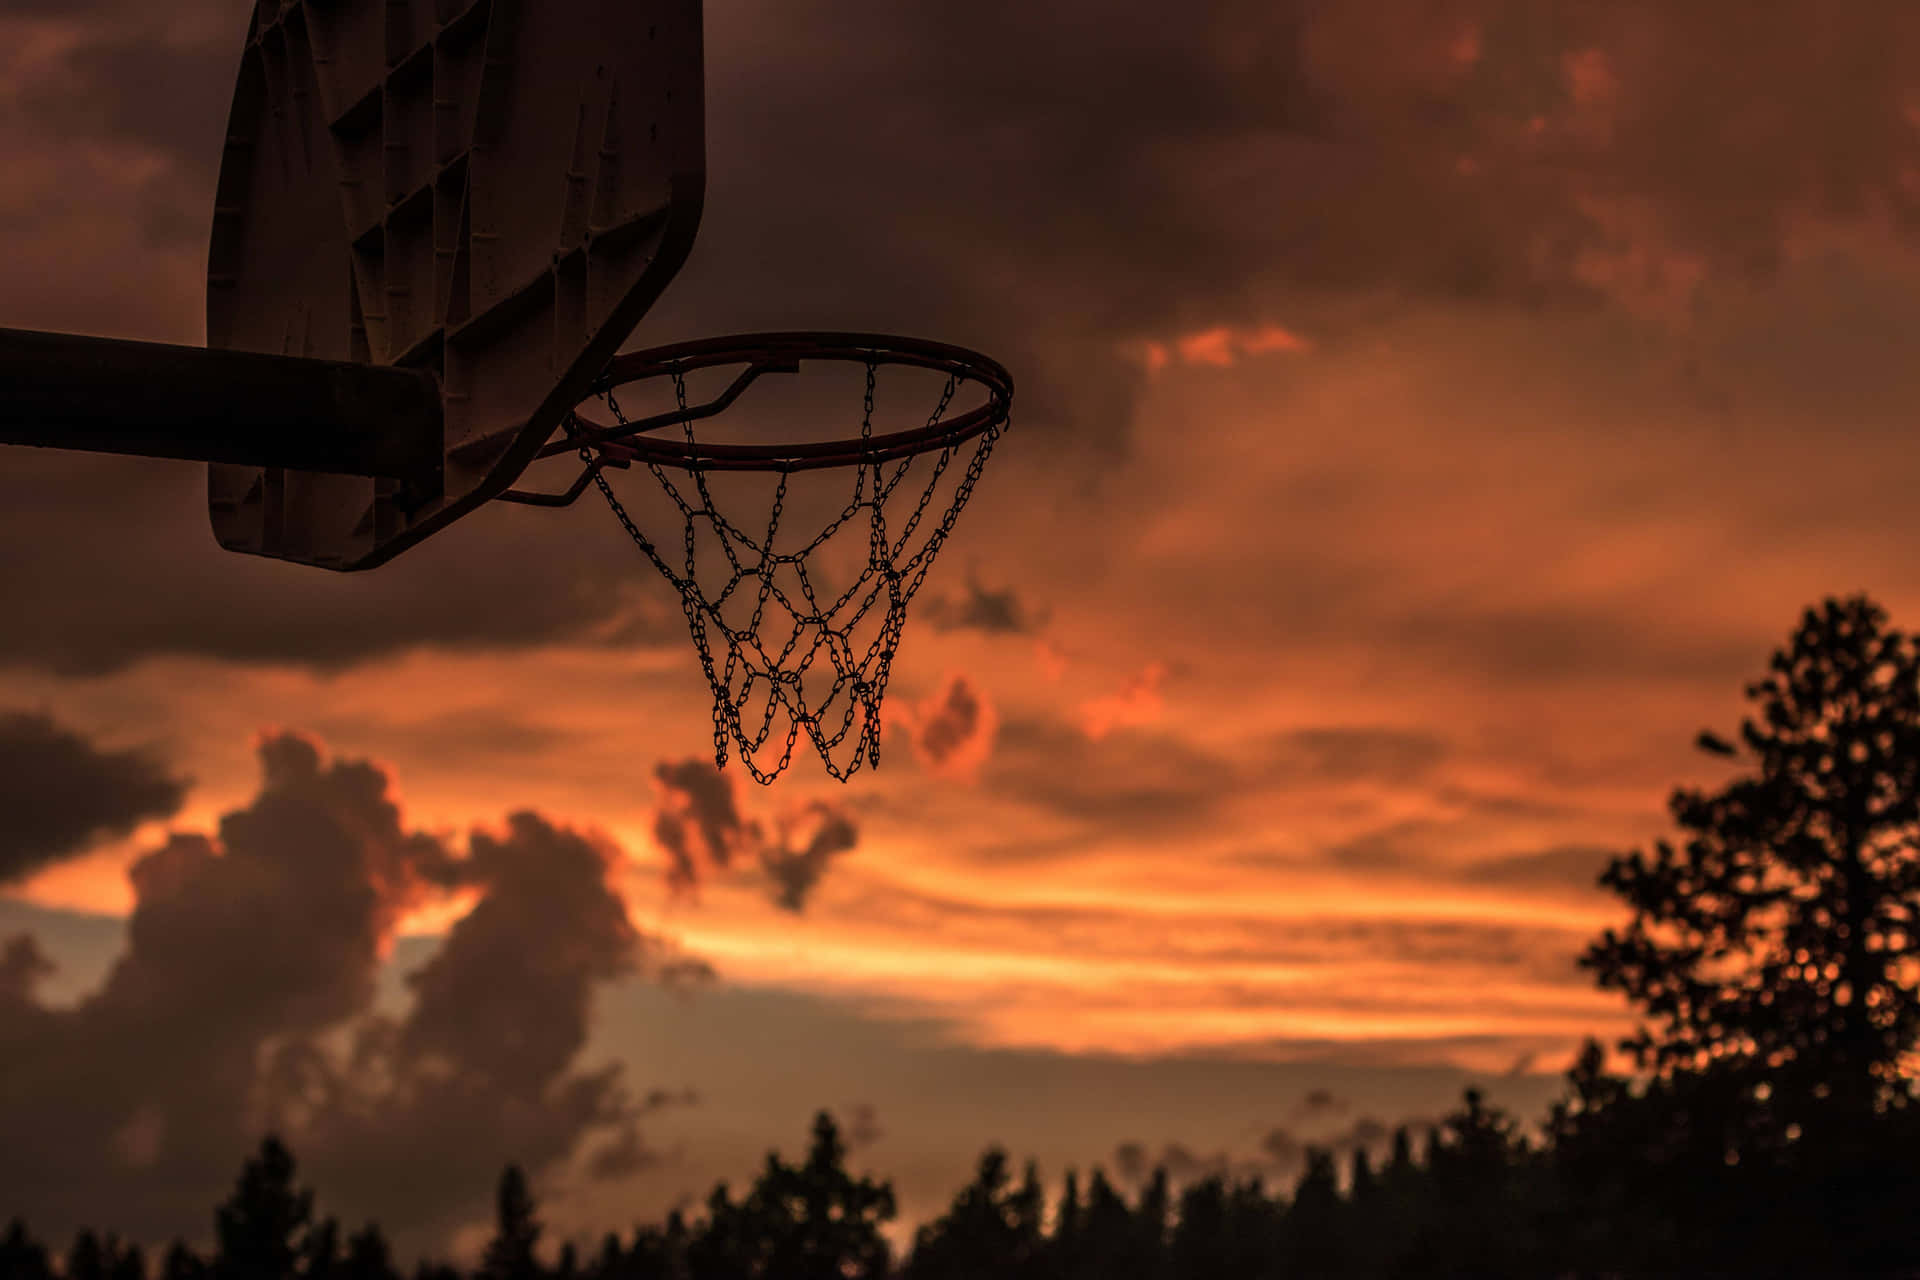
(1219, 347)
(953, 730)
(1138, 703)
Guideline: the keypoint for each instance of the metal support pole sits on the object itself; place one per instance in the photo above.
(63, 391)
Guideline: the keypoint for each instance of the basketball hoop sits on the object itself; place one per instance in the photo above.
(761, 682)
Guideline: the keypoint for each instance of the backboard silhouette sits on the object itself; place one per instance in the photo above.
(436, 223)
(493, 191)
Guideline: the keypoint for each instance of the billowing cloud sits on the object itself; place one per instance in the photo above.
(699, 821)
(952, 731)
(702, 829)
(59, 793)
(809, 839)
(245, 1002)
(1136, 703)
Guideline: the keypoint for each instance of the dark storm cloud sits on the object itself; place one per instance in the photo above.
(1131, 168)
(952, 732)
(244, 1002)
(59, 793)
(701, 827)
(699, 820)
(107, 597)
(161, 80)
(981, 609)
(807, 843)
(1048, 182)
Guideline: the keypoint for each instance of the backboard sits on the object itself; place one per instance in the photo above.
(490, 191)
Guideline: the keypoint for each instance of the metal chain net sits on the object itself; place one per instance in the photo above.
(753, 684)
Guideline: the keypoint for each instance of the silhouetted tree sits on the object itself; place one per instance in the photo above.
(1774, 952)
(126, 1261)
(368, 1256)
(86, 1258)
(1313, 1231)
(813, 1221)
(1781, 933)
(320, 1255)
(516, 1232)
(1062, 1247)
(1483, 1189)
(1102, 1241)
(657, 1253)
(261, 1228)
(22, 1256)
(1222, 1232)
(992, 1228)
(181, 1263)
(1150, 1225)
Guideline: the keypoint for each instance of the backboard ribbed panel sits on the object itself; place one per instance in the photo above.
(495, 190)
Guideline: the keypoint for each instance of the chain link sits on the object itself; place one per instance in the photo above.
(749, 672)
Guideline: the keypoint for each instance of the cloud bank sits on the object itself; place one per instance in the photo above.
(245, 1002)
(60, 793)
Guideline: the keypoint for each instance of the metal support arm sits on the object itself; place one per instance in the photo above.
(63, 391)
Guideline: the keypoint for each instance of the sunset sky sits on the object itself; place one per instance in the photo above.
(1432, 413)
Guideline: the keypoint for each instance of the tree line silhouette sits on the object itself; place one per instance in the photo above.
(1767, 1122)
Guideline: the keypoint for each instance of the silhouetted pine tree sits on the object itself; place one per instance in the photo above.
(611, 1262)
(992, 1228)
(813, 1221)
(1222, 1232)
(659, 1253)
(182, 1263)
(368, 1256)
(22, 1256)
(86, 1257)
(1483, 1180)
(320, 1254)
(1102, 1243)
(125, 1261)
(1151, 1227)
(1773, 951)
(516, 1232)
(1781, 932)
(1061, 1249)
(261, 1228)
(1313, 1229)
